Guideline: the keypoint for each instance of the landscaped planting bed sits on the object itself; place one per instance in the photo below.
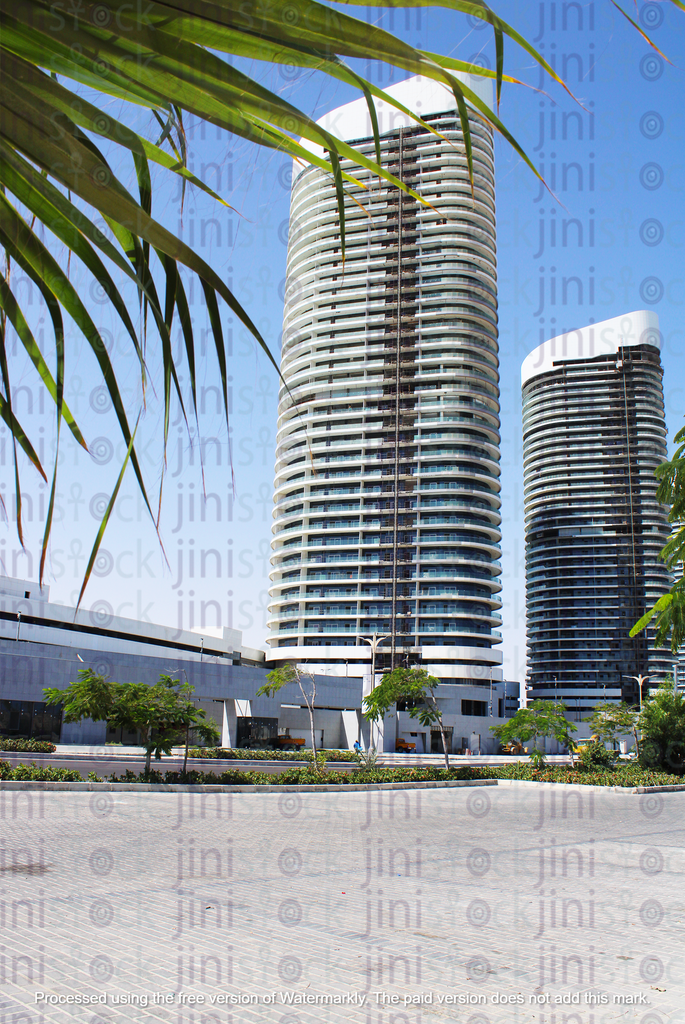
(33, 773)
(627, 775)
(228, 754)
(632, 774)
(27, 746)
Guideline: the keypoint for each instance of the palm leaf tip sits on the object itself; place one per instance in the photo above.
(168, 61)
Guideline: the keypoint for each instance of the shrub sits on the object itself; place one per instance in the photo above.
(367, 759)
(595, 755)
(129, 776)
(630, 774)
(214, 753)
(662, 722)
(33, 773)
(27, 746)
(226, 754)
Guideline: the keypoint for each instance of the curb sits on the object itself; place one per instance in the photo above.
(161, 787)
(150, 787)
(565, 786)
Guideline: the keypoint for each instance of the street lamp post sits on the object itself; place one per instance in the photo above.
(374, 644)
(640, 679)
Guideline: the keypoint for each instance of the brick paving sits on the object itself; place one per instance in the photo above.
(372, 900)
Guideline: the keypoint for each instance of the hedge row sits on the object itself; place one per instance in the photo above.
(27, 746)
(33, 773)
(624, 775)
(227, 754)
(298, 776)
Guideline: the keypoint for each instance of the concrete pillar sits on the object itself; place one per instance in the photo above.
(233, 709)
(365, 729)
(228, 724)
(350, 728)
(381, 734)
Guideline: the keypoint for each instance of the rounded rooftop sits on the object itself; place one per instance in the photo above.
(418, 94)
(640, 327)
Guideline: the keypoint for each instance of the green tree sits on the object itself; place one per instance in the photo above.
(537, 720)
(670, 608)
(609, 721)
(662, 723)
(283, 676)
(416, 688)
(158, 712)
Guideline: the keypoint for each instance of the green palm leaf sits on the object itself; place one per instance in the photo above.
(168, 60)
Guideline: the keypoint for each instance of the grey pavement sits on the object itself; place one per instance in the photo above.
(477, 905)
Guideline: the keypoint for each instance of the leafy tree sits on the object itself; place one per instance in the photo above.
(609, 721)
(91, 696)
(539, 719)
(670, 608)
(158, 712)
(662, 723)
(289, 673)
(413, 686)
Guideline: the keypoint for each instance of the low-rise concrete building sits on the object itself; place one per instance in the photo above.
(45, 644)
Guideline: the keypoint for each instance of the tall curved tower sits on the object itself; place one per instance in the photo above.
(387, 465)
(593, 434)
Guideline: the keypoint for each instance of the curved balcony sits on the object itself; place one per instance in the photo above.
(337, 344)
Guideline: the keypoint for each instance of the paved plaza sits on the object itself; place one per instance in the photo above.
(556, 905)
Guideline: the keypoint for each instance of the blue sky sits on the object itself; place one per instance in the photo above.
(611, 242)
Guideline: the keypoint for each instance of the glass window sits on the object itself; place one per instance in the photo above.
(30, 720)
(475, 708)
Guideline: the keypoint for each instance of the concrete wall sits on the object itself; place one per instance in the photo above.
(27, 667)
(475, 730)
(66, 627)
(330, 723)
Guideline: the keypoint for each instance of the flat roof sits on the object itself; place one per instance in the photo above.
(641, 327)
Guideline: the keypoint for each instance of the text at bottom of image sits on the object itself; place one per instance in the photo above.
(350, 998)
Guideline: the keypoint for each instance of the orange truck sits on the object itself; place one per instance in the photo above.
(284, 742)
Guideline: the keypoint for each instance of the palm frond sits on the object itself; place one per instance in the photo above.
(55, 142)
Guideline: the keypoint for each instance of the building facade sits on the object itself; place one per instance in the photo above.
(44, 644)
(387, 467)
(593, 434)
